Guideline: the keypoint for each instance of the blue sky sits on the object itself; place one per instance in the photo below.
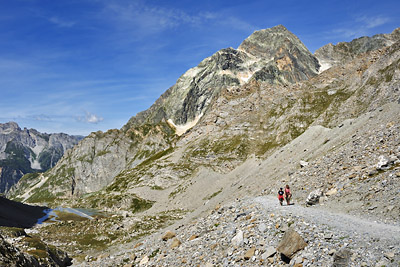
(78, 66)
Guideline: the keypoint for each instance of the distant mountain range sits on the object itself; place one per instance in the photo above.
(25, 151)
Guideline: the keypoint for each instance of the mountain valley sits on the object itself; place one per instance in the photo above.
(206, 160)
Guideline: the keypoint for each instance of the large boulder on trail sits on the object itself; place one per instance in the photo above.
(383, 163)
(291, 243)
(313, 197)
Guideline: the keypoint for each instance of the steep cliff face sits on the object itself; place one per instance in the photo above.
(24, 151)
(95, 162)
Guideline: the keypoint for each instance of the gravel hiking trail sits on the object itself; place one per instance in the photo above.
(353, 225)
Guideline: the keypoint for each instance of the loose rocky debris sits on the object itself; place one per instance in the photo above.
(351, 181)
(360, 175)
(259, 232)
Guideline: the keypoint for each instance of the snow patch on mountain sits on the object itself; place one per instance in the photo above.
(181, 129)
(35, 162)
(324, 65)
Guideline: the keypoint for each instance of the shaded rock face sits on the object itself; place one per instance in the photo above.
(100, 157)
(13, 253)
(217, 72)
(24, 151)
(11, 256)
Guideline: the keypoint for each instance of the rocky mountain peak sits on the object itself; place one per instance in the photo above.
(396, 34)
(274, 55)
(9, 127)
(268, 63)
(265, 43)
(285, 58)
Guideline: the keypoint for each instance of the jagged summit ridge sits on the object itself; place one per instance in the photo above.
(331, 55)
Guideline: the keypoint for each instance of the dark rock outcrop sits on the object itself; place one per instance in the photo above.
(16, 214)
(17, 248)
(11, 256)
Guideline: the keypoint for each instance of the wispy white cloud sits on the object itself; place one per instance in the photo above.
(13, 65)
(90, 118)
(40, 117)
(61, 22)
(361, 26)
(236, 23)
(52, 16)
(149, 19)
(372, 22)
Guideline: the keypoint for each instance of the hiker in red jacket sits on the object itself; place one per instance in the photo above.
(288, 194)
